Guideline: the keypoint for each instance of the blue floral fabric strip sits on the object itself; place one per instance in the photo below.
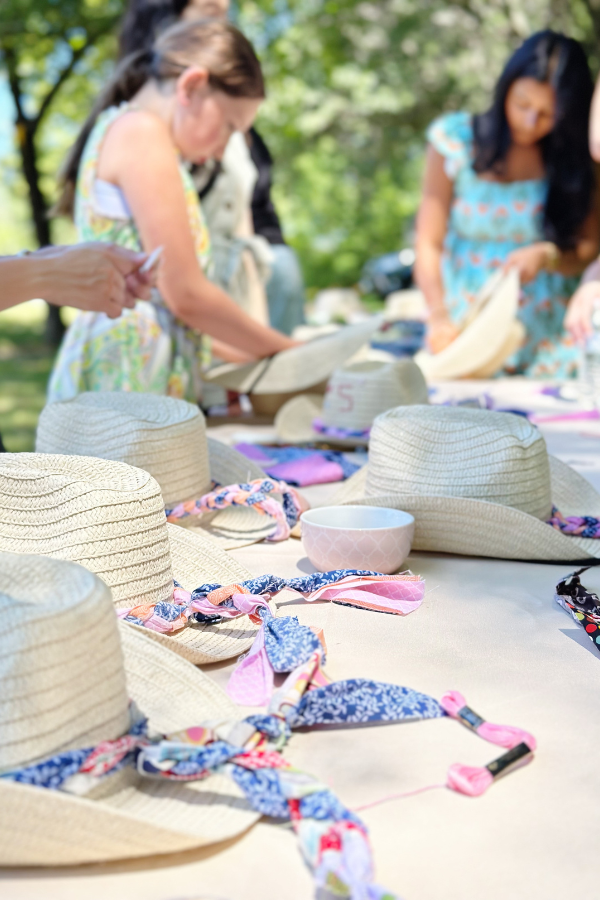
(53, 772)
(270, 584)
(358, 700)
(288, 643)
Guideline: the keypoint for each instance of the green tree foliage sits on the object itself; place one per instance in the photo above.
(352, 86)
(53, 53)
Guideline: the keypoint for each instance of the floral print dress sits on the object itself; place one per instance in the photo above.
(488, 220)
(146, 349)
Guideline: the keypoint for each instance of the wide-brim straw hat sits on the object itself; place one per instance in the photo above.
(166, 437)
(110, 518)
(298, 368)
(490, 335)
(355, 395)
(478, 483)
(68, 671)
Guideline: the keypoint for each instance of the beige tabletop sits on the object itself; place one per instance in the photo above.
(487, 628)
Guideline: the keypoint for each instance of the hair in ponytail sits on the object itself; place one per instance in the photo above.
(228, 56)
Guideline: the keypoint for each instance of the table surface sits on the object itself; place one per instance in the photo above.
(488, 628)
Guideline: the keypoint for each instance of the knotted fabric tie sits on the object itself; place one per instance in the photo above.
(254, 494)
(582, 605)
(281, 643)
(580, 526)
(333, 840)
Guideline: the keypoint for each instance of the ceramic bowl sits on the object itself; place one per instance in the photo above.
(357, 537)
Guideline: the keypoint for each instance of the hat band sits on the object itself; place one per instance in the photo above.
(344, 433)
(254, 494)
(332, 838)
(578, 526)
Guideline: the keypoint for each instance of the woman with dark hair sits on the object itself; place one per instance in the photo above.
(126, 183)
(513, 187)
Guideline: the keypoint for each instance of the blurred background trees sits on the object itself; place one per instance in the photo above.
(352, 86)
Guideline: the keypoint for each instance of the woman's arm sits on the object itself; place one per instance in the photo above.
(531, 260)
(432, 222)
(138, 155)
(98, 277)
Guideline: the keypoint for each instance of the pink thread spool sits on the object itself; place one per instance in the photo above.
(507, 736)
(474, 781)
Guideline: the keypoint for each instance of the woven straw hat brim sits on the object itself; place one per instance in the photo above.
(483, 339)
(299, 367)
(236, 526)
(196, 560)
(139, 817)
(480, 528)
(293, 423)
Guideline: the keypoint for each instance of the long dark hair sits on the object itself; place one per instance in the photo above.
(228, 56)
(557, 60)
(145, 19)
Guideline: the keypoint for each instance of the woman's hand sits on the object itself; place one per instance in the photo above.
(578, 320)
(529, 261)
(441, 331)
(97, 277)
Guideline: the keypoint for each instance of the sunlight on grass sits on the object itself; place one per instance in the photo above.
(25, 364)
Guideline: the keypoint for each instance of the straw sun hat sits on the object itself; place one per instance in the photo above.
(490, 334)
(477, 482)
(68, 670)
(299, 367)
(167, 438)
(355, 396)
(109, 517)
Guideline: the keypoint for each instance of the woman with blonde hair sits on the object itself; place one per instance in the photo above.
(126, 182)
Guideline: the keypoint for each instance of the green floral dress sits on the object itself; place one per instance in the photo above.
(146, 349)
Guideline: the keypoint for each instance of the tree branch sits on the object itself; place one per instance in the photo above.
(76, 55)
(14, 82)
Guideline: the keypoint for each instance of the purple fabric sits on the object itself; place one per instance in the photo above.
(312, 469)
(299, 466)
(253, 451)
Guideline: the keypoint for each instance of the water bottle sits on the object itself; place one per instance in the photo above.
(591, 360)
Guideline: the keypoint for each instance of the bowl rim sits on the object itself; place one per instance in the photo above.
(410, 518)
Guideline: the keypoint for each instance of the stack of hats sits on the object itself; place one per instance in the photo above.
(110, 518)
(165, 437)
(69, 672)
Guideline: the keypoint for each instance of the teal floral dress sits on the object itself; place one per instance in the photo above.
(146, 349)
(488, 220)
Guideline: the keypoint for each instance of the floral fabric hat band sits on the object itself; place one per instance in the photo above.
(254, 494)
(281, 643)
(333, 840)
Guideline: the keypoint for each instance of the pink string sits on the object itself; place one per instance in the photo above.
(428, 787)
(507, 736)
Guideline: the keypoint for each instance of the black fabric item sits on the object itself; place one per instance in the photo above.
(582, 599)
(265, 219)
(2, 447)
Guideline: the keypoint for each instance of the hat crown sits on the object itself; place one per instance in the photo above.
(460, 452)
(163, 435)
(358, 393)
(61, 665)
(106, 515)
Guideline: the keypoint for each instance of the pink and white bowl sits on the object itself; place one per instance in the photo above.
(357, 537)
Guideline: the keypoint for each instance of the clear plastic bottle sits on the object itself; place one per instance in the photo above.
(591, 360)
